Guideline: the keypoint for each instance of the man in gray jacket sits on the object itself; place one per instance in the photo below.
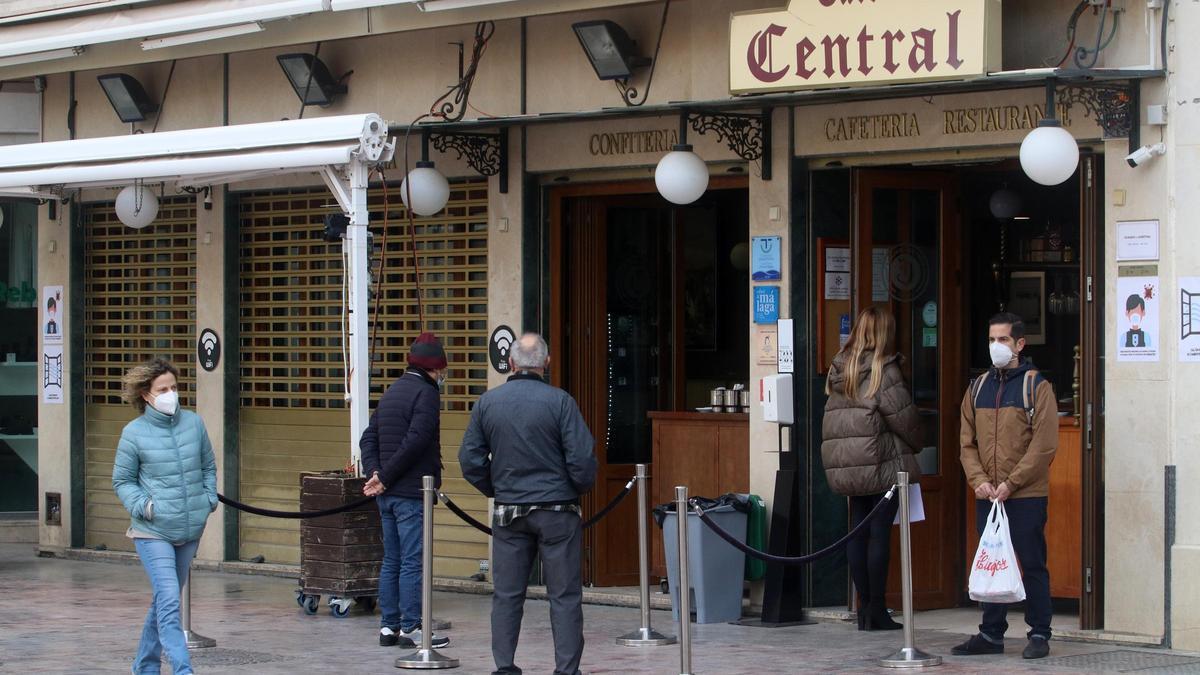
(528, 447)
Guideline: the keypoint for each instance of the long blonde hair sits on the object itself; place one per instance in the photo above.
(874, 331)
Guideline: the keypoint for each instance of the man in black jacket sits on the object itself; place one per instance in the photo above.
(400, 445)
(528, 447)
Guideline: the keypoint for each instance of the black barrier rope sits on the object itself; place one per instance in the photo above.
(800, 560)
(466, 517)
(293, 514)
(611, 505)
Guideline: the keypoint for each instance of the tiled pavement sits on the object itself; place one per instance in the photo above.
(64, 616)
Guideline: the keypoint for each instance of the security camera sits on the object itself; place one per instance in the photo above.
(1145, 154)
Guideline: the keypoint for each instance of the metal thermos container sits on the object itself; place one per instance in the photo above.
(733, 400)
(745, 396)
(717, 399)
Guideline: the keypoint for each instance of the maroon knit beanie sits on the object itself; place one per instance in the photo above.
(427, 353)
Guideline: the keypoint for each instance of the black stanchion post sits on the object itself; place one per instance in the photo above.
(426, 658)
(908, 656)
(194, 639)
(644, 636)
(684, 590)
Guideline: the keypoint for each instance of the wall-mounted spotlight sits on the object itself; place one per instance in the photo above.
(311, 79)
(1145, 154)
(612, 52)
(128, 97)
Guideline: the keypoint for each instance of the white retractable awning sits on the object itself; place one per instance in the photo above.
(282, 147)
(341, 149)
(141, 22)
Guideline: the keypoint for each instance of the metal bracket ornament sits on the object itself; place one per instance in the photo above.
(1113, 106)
(748, 135)
(486, 153)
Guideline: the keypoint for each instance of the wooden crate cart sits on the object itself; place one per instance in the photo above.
(340, 555)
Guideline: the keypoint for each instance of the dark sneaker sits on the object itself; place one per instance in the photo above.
(977, 646)
(1038, 648)
(436, 641)
(391, 638)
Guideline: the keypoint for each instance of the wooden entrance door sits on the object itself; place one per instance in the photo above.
(616, 347)
(905, 247)
(1091, 609)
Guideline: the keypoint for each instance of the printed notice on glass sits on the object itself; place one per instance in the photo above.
(880, 275)
(1137, 240)
(837, 259)
(837, 285)
(1189, 316)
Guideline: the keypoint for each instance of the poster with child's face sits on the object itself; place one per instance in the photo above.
(53, 311)
(1137, 318)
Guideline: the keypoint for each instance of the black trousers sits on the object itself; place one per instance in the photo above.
(559, 537)
(1027, 527)
(870, 551)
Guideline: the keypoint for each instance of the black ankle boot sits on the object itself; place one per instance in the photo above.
(878, 618)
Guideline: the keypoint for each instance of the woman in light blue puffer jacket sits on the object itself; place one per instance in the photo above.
(166, 476)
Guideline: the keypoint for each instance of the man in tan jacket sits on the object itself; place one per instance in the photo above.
(1009, 436)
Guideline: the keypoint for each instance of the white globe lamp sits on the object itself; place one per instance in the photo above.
(430, 190)
(681, 176)
(137, 206)
(1049, 154)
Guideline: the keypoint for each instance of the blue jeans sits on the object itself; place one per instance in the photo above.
(167, 566)
(1027, 528)
(400, 576)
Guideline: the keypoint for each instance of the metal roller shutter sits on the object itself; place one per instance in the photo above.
(293, 414)
(140, 302)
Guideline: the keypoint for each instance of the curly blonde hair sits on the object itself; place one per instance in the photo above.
(138, 379)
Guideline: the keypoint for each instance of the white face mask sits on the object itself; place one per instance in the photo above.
(1001, 354)
(166, 403)
(1135, 321)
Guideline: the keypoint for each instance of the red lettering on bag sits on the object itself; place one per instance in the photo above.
(987, 565)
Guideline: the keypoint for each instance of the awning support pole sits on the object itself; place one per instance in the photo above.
(349, 187)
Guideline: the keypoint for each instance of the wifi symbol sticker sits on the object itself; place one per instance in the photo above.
(208, 350)
(499, 347)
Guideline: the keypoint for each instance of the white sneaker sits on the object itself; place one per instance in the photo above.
(436, 641)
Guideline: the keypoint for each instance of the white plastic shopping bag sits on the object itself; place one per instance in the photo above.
(995, 576)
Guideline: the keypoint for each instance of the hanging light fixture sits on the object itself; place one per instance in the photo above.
(430, 189)
(1005, 203)
(681, 176)
(1049, 153)
(739, 256)
(425, 185)
(137, 206)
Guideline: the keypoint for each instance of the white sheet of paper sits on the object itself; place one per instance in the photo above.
(916, 507)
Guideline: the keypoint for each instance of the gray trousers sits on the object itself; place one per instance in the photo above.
(559, 537)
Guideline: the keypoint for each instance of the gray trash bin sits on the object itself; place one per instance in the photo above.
(715, 568)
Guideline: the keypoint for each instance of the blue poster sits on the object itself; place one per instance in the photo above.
(766, 304)
(766, 259)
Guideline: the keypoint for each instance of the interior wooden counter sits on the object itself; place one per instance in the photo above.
(707, 452)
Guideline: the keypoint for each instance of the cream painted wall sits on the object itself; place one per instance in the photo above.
(1183, 242)
(210, 387)
(766, 197)
(505, 270)
(54, 420)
